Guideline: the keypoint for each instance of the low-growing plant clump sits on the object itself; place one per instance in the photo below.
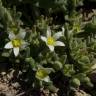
(47, 48)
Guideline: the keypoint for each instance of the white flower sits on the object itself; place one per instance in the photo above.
(51, 41)
(42, 75)
(16, 42)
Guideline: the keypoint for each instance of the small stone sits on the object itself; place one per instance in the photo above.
(3, 73)
(16, 85)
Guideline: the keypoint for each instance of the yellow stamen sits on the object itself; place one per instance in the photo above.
(50, 41)
(41, 74)
(16, 42)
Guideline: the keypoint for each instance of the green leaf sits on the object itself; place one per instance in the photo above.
(80, 76)
(52, 88)
(5, 54)
(68, 70)
(75, 82)
(31, 61)
(87, 81)
(85, 59)
(57, 65)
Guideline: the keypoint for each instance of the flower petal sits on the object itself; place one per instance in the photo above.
(48, 32)
(57, 35)
(63, 29)
(16, 51)
(24, 44)
(8, 45)
(12, 36)
(44, 39)
(51, 48)
(46, 79)
(21, 34)
(59, 43)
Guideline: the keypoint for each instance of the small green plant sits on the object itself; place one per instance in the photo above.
(49, 51)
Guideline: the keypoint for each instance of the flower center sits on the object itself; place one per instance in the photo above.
(50, 41)
(16, 42)
(41, 74)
